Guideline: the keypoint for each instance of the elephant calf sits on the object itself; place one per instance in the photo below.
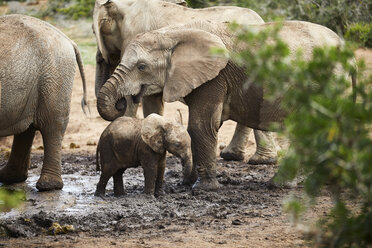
(129, 142)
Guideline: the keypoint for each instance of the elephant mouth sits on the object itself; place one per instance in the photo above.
(121, 105)
(137, 98)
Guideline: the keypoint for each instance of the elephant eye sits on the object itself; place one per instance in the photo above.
(141, 67)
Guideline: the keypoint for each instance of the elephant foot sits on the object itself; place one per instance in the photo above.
(8, 175)
(159, 192)
(275, 184)
(190, 180)
(99, 194)
(148, 196)
(206, 184)
(49, 182)
(262, 159)
(118, 193)
(231, 154)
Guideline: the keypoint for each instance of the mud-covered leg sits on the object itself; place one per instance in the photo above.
(203, 129)
(153, 104)
(160, 177)
(238, 145)
(266, 152)
(50, 178)
(150, 172)
(118, 183)
(101, 185)
(16, 169)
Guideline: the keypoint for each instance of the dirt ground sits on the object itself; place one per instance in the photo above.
(246, 212)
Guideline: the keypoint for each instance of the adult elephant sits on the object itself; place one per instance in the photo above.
(117, 22)
(37, 68)
(175, 62)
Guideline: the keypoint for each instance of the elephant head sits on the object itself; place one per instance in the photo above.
(162, 135)
(170, 60)
(110, 28)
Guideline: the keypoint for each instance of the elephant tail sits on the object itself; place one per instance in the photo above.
(98, 166)
(84, 102)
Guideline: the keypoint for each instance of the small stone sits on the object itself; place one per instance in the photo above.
(237, 222)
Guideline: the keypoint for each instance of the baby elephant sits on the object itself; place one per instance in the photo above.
(128, 142)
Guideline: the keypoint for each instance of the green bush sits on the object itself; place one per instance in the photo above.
(2, 2)
(360, 33)
(329, 132)
(334, 14)
(10, 199)
(75, 9)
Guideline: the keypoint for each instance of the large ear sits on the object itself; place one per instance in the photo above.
(152, 132)
(97, 19)
(192, 63)
(106, 16)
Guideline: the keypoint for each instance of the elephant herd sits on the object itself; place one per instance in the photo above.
(150, 51)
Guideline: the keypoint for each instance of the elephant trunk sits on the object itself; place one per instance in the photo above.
(189, 175)
(102, 72)
(110, 103)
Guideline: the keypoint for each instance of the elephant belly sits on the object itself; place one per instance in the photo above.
(252, 110)
(15, 120)
(16, 112)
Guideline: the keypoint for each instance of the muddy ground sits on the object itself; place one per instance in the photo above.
(246, 212)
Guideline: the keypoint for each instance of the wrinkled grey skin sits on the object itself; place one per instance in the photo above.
(115, 24)
(176, 61)
(129, 142)
(37, 68)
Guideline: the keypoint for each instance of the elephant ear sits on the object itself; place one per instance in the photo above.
(192, 63)
(105, 16)
(152, 132)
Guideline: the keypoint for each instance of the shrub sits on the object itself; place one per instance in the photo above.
(360, 33)
(334, 14)
(329, 133)
(10, 199)
(75, 9)
(2, 2)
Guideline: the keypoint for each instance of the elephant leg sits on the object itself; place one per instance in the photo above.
(203, 130)
(150, 172)
(203, 146)
(238, 145)
(266, 152)
(101, 185)
(118, 183)
(16, 169)
(160, 177)
(153, 104)
(50, 178)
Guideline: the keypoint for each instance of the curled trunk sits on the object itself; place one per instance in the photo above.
(110, 103)
(102, 72)
(189, 175)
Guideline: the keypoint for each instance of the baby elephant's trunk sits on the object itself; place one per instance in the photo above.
(189, 175)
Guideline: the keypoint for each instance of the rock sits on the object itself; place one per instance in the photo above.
(236, 222)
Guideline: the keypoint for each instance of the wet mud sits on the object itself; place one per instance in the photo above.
(245, 194)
